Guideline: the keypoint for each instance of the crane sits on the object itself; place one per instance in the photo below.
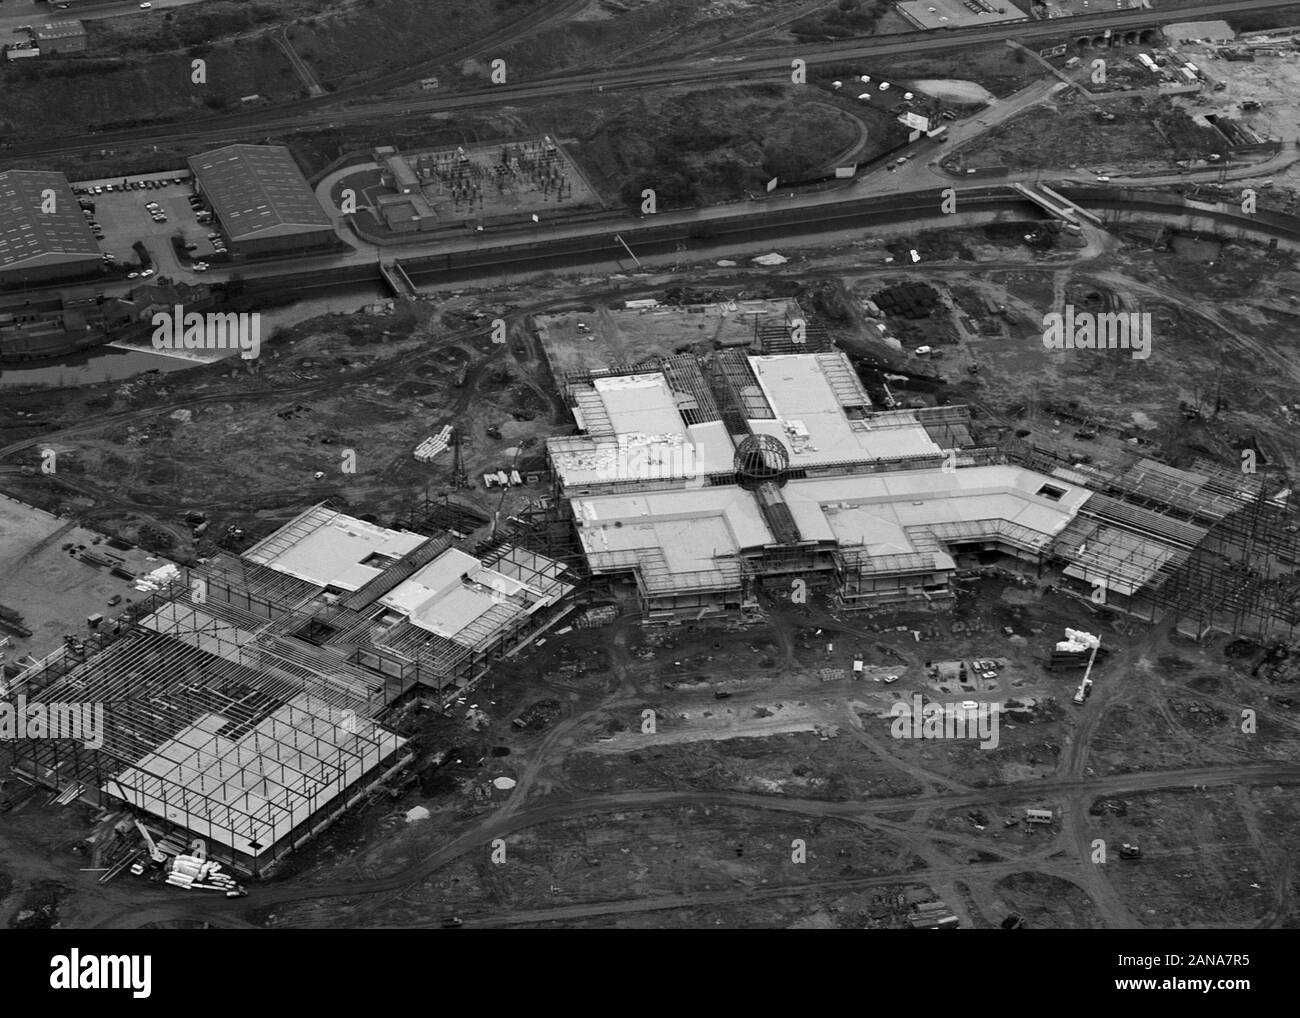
(1086, 684)
(496, 516)
(459, 479)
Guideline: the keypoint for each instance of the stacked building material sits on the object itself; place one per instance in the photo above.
(430, 447)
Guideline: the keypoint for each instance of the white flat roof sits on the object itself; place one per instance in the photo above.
(439, 599)
(327, 548)
(640, 404)
(699, 450)
(811, 423)
(675, 511)
(681, 537)
(875, 511)
(683, 534)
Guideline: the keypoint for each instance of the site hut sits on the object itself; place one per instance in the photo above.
(38, 246)
(262, 201)
(61, 37)
(395, 171)
(1039, 816)
(246, 702)
(693, 486)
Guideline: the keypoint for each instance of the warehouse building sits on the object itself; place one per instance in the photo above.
(246, 701)
(43, 235)
(699, 484)
(261, 199)
(61, 37)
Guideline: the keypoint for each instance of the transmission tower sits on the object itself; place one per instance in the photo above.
(459, 479)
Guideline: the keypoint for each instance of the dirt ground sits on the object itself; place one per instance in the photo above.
(170, 448)
(875, 814)
(695, 822)
(617, 336)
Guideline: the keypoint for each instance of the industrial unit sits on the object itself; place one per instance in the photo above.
(43, 235)
(61, 37)
(244, 704)
(263, 202)
(703, 482)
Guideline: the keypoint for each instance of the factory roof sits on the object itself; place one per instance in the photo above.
(60, 30)
(457, 597)
(673, 538)
(32, 236)
(258, 191)
(812, 395)
(635, 404)
(898, 520)
(403, 176)
(698, 450)
(330, 549)
(883, 510)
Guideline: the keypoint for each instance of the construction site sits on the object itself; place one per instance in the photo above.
(245, 702)
(639, 584)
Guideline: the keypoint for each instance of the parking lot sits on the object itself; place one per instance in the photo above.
(932, 14)
(125, 218)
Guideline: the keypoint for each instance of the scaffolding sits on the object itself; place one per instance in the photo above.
(242, 704)
(215, 724)
(442, 514)
(1221, 555)
(739, 395)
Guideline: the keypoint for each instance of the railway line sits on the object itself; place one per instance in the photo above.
(754, 66)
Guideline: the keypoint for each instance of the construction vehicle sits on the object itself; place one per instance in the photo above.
(155, 853)
(1127, 851)
(1085, 687)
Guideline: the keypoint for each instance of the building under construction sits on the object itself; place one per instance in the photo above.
(1235, 545)
(700, 482)
(245, 703)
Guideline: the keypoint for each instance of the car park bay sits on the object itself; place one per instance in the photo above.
(151, 214)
